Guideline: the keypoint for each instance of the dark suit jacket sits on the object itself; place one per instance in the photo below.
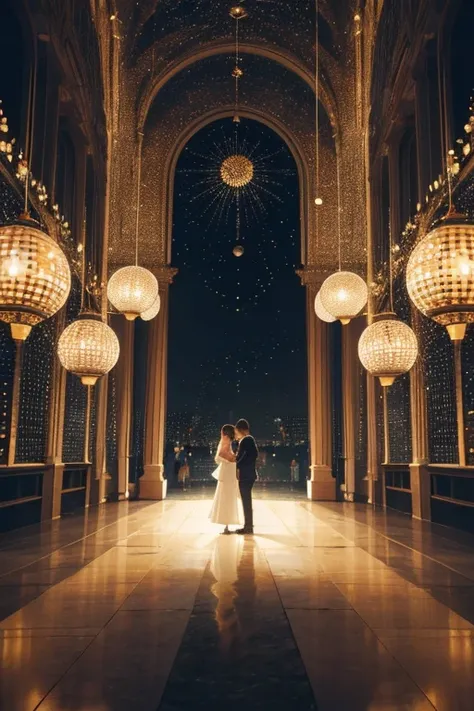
(247, 455)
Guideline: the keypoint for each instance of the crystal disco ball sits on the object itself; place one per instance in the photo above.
(388, 348)
(238, 251)
(344, 295)
(88, 348)
(35, 279)
(321, 311)
(132, 290)
(152, 311)
(237, 171)
(440, 275)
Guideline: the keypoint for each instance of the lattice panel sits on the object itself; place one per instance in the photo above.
(7, 367)
(438, 366)
(112, 444)
(35, 392)
(76, 395)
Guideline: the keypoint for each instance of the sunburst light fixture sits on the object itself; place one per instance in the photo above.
(236, 171)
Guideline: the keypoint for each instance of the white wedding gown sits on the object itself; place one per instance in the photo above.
(227, 505)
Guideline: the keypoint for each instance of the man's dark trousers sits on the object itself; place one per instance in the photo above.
(245, 487)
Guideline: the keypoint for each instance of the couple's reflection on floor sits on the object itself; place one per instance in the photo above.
(233, 569)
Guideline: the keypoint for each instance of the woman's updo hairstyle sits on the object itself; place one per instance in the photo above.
(228, 431)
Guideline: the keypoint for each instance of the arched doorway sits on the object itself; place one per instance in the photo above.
(237, 335)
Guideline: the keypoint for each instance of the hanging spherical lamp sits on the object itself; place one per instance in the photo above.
(440, 275)
(88, 348)
(132, 290)
(344, 295)
(35, 279)
(388, 348)
(238, 251)
(152, 311)
(321, 311)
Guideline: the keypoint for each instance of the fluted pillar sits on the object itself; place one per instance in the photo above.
(419, 474)
(152, 484)
(321, 485)
(124, 378)
(350, 399)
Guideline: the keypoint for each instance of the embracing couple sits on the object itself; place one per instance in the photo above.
(235, 472)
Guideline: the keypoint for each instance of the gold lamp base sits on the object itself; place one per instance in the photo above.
(457, 331)
(387, 380)
(130, 317)
(20, 331)
(345, 321)
(89, 379)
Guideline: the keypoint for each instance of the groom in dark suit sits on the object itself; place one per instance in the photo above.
(246, 460)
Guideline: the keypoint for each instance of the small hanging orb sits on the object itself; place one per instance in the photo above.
(132, 290)
(388, 348)
(35, 279)
(344, 295)
(238, 12)
(88, 348)
(153, 311)
(236, 171)
(440, 275)
(318, 201)
(238, 251)
(321, 311)
(237, 72)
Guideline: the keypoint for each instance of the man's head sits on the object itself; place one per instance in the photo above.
(242, 428)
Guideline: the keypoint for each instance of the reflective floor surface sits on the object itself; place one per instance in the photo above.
(144, 607)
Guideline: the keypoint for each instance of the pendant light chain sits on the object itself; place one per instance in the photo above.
(339, 227)
(139, 171)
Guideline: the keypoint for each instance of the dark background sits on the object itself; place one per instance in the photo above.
(237, 340)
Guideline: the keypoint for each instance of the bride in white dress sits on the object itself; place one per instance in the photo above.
(227, 505)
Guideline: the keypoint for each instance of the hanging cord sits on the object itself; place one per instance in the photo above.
(139, 176)
(390, 262)
(339, 229)
(237, 67)
(237, 215)
(316, 120)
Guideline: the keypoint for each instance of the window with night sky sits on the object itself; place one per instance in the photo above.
(237, 340)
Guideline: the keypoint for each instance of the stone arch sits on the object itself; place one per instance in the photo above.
(152, 89)
(304, 179)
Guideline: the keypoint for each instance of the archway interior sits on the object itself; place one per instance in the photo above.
(237, 340)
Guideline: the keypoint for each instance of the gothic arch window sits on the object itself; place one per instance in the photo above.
(408, 172)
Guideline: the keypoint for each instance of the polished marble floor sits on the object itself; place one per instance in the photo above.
(144, 606)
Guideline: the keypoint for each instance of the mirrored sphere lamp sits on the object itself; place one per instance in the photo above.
(388, 348)
(35, 279)
(153, 311)
(88, 348)
(440, 275)
(321, 312)
(132, 291)
(344, 295)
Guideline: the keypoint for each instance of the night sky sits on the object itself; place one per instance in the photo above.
(237, 340)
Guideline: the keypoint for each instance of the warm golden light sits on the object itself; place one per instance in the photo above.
(344, 295)
(132, 290)
(35, 279)
(88, 348)
(238, 251)
(321, 311)
(440, 275)
(153, 311)
(388, 348)
(236, 171)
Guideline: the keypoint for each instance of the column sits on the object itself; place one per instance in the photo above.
(99, 475)
(419, 474)
(322, 484)
(152, 484)
(350, 398)
(125, 331)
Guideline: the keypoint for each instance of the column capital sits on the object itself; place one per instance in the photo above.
(164, 273)
(312, 276)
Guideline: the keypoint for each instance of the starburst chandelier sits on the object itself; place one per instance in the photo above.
(237, 171)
